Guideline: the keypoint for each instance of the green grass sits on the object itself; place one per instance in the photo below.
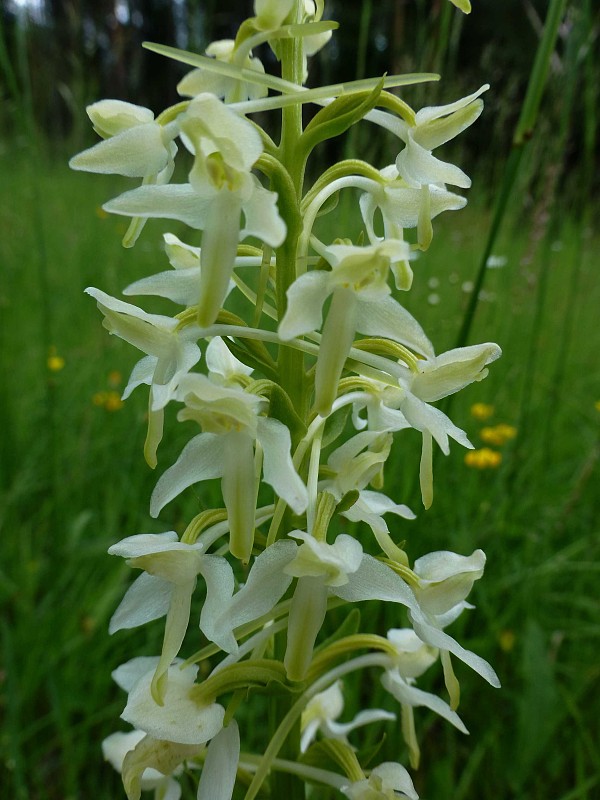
(74, 481)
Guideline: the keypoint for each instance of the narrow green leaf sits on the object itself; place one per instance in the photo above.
(338, 117)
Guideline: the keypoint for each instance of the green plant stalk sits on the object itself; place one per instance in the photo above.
(290, 363)
(523, 134)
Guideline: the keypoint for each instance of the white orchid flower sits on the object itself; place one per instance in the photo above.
(231, 90)
(144, 759)
(412, 659)
(115, 748)
(391, 408)
(353, 466)
(179, 719)
(434, 126)
(344, 571)
(444, 581)
(404, 206)
(171, 354)
(233, 426)
(360, 301)
(165, 587)
(321, 714)
(221, 190)
(320, 567)
(135, 145)
(388, 781)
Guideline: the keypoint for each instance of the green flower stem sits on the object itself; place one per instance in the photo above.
(344, 169)
(293, 715)
(249, 762)
(349, 644)
(237, 676)
(290, 363)
(311, 212)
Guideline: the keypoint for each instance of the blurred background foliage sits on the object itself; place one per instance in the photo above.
(518, 266)
(60, 55)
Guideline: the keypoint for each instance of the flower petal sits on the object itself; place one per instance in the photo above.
(376, 581)
(147, 599)
(305, 299)
(431, 635)
(278, 469)
(386, 317)
(265, 586)
(261, 217)
(220, 766)
(110, 117)
(137, 152)
(411, 696)
(419, 166)
(201, 459)
(180, 719)
(172, 201)
(180, 286)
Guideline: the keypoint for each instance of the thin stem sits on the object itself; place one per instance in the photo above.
(293, 715)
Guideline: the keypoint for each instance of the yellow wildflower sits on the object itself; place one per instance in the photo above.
(113, 401)
(498, 434)
(506, 640)
(597, 405)
(482, 411)
(114, 378)
(54, 362)
(483, 459)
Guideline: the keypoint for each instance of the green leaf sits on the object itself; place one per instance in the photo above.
(334, 426)
(338, 116)
(282, 408)
(347, 501)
